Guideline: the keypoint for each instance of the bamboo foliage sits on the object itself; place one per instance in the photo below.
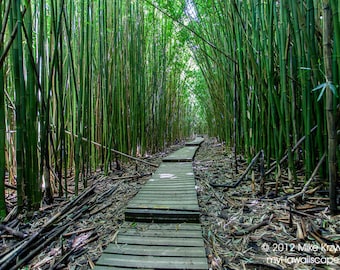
(136, 75)
(109, 72)
(278, 55)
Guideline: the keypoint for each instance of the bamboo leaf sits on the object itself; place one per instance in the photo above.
(332, 87)
(323, 88)
(323, 85)
(322, 92)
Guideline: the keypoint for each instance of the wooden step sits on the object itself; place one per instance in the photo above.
(155, 246)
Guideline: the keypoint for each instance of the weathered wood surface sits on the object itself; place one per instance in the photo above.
(156, 246)
(198, 141)
(169, 195)
(161, 229)
(185, 154)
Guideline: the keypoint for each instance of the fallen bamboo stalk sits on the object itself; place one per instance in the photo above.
(252, 228)
(68, 206)
(78, 232)
(43, 242)
(41, 238)
(11, 214)
(131, 176)
(273, 165)
(12, 231)
(95, 211)
(113, 150)
(303, 191)
(251, 164)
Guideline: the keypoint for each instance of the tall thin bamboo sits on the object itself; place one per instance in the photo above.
(330, 105)
(3, 211)
(32, 187)
(17, 56)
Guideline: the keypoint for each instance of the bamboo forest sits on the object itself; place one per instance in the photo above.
(96, 94)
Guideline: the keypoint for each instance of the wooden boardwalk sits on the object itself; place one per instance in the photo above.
(156, 246)
(162, 229)
(185, 154)
(197, 142)
(169, 196)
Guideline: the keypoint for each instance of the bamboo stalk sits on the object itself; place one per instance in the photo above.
(304, 189)
(330, 106)
(3, 211)
(113, 150)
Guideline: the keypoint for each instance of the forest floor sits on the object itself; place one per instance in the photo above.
(241, 228)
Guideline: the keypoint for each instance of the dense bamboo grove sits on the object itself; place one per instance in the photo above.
(78, 78)
(268, 68)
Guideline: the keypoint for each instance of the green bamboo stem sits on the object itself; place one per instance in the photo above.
(3, 211)
(330, 111)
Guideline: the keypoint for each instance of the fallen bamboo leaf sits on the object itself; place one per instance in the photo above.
(299, 232)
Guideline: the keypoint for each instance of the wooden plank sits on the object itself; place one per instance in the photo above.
(181, 179)
(162, 216)
(165, 200)
(187, 183)
(177, 176)
(182, 167)
(173, 176)
(184, 154)
(160, 241)
(165, 192)
(162, 196)
(187, 179)
(178, 159)
(197, 141)
(178, 184)
(163, 207)
(155, 226)
(170, 189)
(153, 206)
(156, 201)
(100, 267)
(170, 251)
(170, 182)
(153, 262)
(163, 233)
(159, 198)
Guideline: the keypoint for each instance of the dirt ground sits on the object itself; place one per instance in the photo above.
(242, 228)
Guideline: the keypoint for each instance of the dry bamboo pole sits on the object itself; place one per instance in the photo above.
(113, 150)
(304, 189)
